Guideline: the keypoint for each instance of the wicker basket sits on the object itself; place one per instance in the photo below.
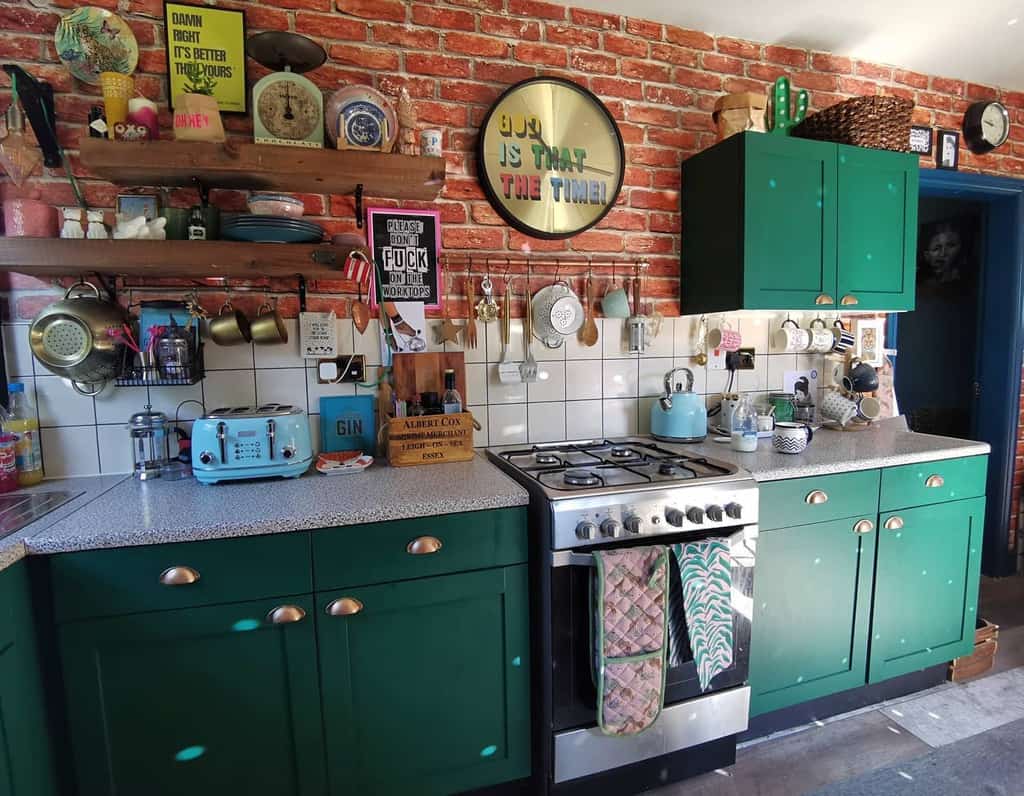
(873, 122)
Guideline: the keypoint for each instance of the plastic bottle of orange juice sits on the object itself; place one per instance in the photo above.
(23, 422)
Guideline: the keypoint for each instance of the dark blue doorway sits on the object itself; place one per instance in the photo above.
(991, 373)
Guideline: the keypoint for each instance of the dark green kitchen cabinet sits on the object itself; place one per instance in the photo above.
(205, 701)
(926, 586)
(775, 223)
(812, 604)
(426, 683)
(27, 766)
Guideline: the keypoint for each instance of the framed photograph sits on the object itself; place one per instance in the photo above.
(870, 336)
(133, 205)
(920, 139)
(405, 245)
(947, 151)
(206, 54)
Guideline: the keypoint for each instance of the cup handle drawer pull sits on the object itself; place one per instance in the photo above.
(344, 606)
(816, 497)
(179, 576)
(286, 615)
(423, 546)
(824, 298)
(894, 524)
(849, 300)
(935, 481)
(863, 526)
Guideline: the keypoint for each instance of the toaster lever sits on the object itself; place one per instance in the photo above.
(271, 436)
(221, 440)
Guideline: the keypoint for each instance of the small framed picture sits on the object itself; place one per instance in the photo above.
(132, 205)
(947, 152)
(870, 337)
(920, 139)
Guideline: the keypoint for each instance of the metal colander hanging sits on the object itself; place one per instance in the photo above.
(65, 341)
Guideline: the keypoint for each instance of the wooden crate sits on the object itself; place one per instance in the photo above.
(986, 644)
(431, 439)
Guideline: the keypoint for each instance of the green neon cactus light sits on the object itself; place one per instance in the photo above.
(782, 122)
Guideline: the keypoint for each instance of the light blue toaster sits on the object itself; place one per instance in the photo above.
(251, 442)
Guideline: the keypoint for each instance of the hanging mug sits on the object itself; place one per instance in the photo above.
(725, 338)
(821, 338)
(842, 338)
(230, 327)
(791, 339)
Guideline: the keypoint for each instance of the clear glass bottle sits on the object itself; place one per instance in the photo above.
(451, 401)
(23, 422)
(744, 426)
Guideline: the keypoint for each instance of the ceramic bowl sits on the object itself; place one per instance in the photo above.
(275, 204)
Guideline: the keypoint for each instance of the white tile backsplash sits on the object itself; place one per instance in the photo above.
(582, 392)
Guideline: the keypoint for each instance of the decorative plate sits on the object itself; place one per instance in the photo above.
(363, 116)
(91, 40)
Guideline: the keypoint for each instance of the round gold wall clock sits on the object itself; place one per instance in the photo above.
(550, 158)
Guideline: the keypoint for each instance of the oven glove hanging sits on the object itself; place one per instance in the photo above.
(629, 594)
(705, 569)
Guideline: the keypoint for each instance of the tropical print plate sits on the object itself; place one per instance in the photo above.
(91, 40)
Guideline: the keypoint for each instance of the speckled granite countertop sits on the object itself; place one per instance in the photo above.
(885, 444)
(13, 548)
(140, 513)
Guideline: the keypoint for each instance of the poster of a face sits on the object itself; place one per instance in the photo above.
(947, 254)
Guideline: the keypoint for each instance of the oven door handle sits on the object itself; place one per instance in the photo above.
(567, 558)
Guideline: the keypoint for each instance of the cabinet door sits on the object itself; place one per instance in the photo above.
(789, 223)
(204, 701)
(926, 586)
(426, 684)
(812, 598)
(877, 230)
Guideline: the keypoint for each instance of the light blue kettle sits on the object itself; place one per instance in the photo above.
(680, 414)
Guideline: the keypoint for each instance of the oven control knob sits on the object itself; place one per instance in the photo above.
(715, 513)
(632, 524)
(205, 457)
(586, 530)
(611, 528)
(734, 510)
(695, 515)
(675, 517)
(288, 452)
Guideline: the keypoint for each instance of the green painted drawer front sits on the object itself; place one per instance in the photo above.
(812, 601)
(877, 228)
(926, 587)
(201, 701)
(951, 479)
(127, 580)
(789, 222)
(379, 553)
(426, 689)
(785, 503)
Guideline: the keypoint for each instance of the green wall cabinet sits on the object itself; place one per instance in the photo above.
(426, 683)
(26, 757)
(204, 701)
(811, 612)
(926, 586)
(777, 223)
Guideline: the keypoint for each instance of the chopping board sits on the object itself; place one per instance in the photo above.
(413, 374)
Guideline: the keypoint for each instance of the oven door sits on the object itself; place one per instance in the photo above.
(574, 695)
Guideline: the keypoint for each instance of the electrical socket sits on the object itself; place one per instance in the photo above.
(740, 360)
(328, 370)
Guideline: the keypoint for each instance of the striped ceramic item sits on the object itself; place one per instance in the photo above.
(705, 569)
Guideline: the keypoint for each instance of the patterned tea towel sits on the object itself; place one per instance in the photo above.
(705, 570)
(629, 594)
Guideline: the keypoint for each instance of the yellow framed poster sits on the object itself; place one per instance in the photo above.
(206, 54)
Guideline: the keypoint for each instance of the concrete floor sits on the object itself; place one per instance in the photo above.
(847, 746)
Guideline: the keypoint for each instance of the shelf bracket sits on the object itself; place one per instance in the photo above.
(302, 292)
(359, 205)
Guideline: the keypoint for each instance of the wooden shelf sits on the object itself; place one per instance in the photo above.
(191, 259)
(263, 167)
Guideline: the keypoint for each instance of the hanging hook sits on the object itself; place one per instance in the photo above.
(359, 205)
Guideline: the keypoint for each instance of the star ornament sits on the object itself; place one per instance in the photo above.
(447, 332)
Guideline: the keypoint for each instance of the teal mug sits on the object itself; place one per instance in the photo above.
(615, 303)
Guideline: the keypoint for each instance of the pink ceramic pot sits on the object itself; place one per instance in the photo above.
(29, 218)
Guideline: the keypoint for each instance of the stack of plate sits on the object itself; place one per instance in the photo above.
(271, 229)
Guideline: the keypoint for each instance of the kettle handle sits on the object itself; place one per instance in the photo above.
(82, 283)
(671, 373)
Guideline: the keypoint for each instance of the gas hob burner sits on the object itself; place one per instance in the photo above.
(667, 468)
(543, 457)
(621, 453)
(581, 478)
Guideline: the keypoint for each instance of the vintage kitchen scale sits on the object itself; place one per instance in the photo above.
(287, 108)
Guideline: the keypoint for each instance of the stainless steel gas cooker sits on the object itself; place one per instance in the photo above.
(615, 493)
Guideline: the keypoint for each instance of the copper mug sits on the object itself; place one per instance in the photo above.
(230, 327)
(268, 326)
